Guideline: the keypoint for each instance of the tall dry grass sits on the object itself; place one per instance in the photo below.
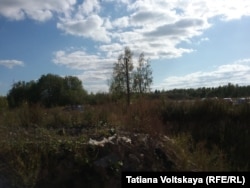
(211, 135)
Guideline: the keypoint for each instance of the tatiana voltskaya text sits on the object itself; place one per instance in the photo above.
(164, 179)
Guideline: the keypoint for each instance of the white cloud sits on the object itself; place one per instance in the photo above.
(235, 73)
(112, 50)
(95, 70)
(89, 6)
(159, 26)
(146, 17)
(85, 22)
(228, 9)
(80, 60)
(121, 22)
(91, 27)
(36, 10)
(95, 81)
(11, 63)
(186, 28)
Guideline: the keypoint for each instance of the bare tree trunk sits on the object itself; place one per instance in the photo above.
(127, 79)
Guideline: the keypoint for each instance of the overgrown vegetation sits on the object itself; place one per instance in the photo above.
(46, 147)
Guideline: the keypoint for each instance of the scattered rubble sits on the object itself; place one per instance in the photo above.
(137, 151)
(109, 140)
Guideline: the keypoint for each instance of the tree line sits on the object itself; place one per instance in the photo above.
(229, 90)
(53, 90)
(50, 90)
(128, 78)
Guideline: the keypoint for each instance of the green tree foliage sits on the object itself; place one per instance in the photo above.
(122, 71)
(50, 90)
(72, 91)
(18, 94)
(142, 76)
(126, 80)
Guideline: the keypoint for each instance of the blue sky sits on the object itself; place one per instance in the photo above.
(196, 43)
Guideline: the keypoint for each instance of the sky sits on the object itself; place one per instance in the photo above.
(189, 43)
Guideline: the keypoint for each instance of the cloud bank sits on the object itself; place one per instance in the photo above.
(156, 27)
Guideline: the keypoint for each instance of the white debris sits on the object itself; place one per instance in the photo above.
(109, 140)
(125, 139)
(112, 137)
(102, 142)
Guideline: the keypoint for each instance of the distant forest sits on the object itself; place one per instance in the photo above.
(230, 90)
